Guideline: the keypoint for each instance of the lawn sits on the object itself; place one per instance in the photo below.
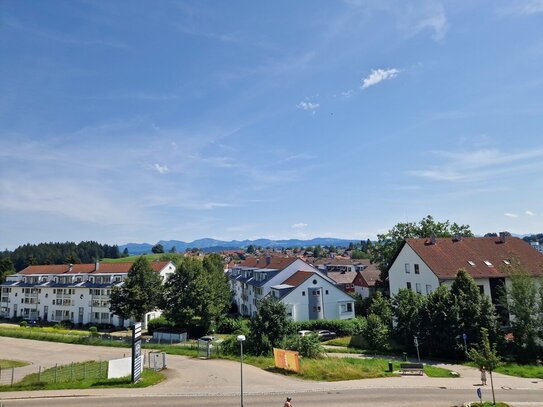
(515, 369)
(132, 259)
(489, 404)
(84, 375)
(8, 364)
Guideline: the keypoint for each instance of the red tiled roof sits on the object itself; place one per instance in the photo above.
(276, 262)
(343, 278)
(298, 278)
(371, 275)
(114, 268)
(448, 255)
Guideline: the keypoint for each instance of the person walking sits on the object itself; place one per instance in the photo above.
(288, 403)
(483, 376)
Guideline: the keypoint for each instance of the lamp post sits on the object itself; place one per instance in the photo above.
(241, 338)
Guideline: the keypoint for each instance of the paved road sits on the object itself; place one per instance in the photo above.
(216, 382)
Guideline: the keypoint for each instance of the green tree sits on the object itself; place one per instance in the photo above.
(521, 300)
(383, 251)
(250, 249)
(408, 307)
(318, 251)
(140, 292)
(6, 268)
(173, 249)
(358, 254)
(376, 333)
(158, 248)
(471, 305)
(268, 327)
(380, 306)
(440, 320)
(197, 293)
(485, 355)
(125, 252)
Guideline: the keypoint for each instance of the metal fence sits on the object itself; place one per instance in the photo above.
(43, 374)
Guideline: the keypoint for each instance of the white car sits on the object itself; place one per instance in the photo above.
(305, 332)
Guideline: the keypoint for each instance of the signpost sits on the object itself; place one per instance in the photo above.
(137, 358)
(465, 337)
(417, 346)
(480, 395)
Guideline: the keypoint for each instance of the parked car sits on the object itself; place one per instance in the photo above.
(207, 338)
(305, 332)
(325, 335)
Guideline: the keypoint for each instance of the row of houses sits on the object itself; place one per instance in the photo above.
(311, 289)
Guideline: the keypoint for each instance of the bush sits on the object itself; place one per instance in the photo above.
(93, 330)
(160, 322)
(346, 327)
(24, 324)
(307, 346)
(233, 325)
(376, 333)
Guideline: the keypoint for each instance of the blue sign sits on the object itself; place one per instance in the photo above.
(464, 336)
(479, 394)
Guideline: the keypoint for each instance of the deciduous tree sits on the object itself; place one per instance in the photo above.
(268, 327)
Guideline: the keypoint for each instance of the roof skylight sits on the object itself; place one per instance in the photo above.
(489, 264)
(471, 263)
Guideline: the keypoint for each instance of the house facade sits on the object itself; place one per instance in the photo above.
(352, 275)
(423, 264)
(79, 293)
(255, 278)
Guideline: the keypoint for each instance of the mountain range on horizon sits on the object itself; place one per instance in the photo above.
(214, 245)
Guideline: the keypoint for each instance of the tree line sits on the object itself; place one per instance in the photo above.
(59, 253)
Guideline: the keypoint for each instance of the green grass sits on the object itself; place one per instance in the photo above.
(84, 375)
(131, 259)
(8, 364)
(515, 369)
(434, 371)
(489, 404)
(343, 341)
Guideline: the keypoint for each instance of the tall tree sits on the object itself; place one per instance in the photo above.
(383, 251)
(140, 293)
(6, 268)
(197, 293)
(408, 306)
(521, 300)
(268, 327)
(158, 248)
(380, 306)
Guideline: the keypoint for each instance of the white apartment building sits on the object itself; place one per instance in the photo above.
(423, 264)
(288, 279)
(79, 293)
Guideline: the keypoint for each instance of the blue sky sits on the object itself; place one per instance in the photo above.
(139, 121)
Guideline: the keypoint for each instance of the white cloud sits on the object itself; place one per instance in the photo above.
(162, 169)
(307, 105)
(511, 215)
(299, 225)
(379, 75)
(529, 213)
(526, 8)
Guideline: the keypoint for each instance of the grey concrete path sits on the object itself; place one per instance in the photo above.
(215, 377)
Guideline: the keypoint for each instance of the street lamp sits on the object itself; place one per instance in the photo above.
(241, 338)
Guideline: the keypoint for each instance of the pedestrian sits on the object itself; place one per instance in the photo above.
(288, 403)
(483, 376)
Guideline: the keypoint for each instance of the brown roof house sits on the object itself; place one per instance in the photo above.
(423, 264)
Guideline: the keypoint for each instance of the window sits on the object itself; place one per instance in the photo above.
(507, 262)
(428, 288)
(349, 307)
(418, 288)
(303, 293)
(407, 270)
(471, 263)
(326, 292)
(408, 285)
(417, 269)
(489, 264)
(314, 281)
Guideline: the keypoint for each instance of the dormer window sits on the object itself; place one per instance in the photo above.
(489, 264)
(471, 263)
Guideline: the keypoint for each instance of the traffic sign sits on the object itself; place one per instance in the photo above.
(464, 336)
(479, 393)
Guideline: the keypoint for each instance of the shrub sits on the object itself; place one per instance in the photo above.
(160, 322)
(24, 324)
(346, 327)
(233, 325)
(376, 333)
(93, 330)
(307, 346)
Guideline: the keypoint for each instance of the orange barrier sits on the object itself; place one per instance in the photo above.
(286, 359)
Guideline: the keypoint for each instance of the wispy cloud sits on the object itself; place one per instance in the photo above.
(529, 213)
(299, 225)
(478, 165)
(510, 215)
(379, 75)
(519, 7)
(162, 169)
(307, 105)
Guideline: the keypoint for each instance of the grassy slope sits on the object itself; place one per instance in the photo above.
(8, 364)
(132, 259)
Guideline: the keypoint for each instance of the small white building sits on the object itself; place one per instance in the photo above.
(79, 293)
(422, 265)
(256, 278)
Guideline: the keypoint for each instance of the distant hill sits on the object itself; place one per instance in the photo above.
(213, 245)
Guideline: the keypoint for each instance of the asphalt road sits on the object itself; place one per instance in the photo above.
(348, 398)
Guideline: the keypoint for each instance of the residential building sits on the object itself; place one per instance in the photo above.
(423, 264)
(352, 275)
(79, 293)
(307, 292)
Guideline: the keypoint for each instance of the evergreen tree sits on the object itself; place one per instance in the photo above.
(140, 292)
(6, 268)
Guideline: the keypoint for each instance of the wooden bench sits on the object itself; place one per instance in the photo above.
(412, 368)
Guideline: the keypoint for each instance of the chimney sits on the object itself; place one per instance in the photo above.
(457, 237)
(97, 266)
(503, 237)
(268, 260)
(433, 239)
